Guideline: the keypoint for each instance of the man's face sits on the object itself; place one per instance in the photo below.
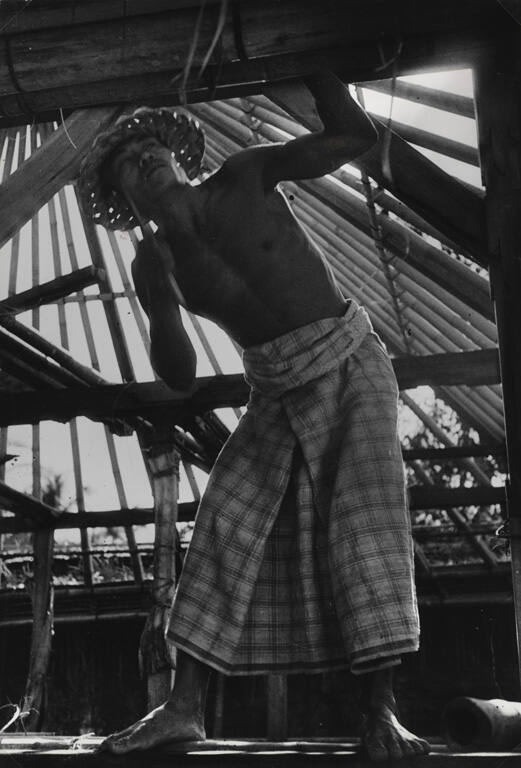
(142, 168)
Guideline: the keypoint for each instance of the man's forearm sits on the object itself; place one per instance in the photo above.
(339, 112)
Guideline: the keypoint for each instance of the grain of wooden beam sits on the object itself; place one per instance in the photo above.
(59, 63)
(48, 169)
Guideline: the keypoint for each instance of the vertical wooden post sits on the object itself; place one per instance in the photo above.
(277, 707)
(498, 109)
(157, 659)
(42, 630)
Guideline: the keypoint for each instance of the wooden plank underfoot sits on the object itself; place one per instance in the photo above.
(44, 751)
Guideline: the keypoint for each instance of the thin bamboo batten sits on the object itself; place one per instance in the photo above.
(15, 242)
(8, 145)
(113, 319)
(73, 424)
(127, 286)
(436, 319)
(69, 239)
(406, 244)
(89, 335)
(454, 150)
(192, 482)
(421, 94)
(135, 556)
(378, 299)
(315, 209)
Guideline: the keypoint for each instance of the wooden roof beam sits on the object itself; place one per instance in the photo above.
(58, 63)
(153, 398)
(52, 166)
(434, 195)
(53, 290)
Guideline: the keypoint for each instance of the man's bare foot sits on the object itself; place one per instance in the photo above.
(385, 738)
(161, 726)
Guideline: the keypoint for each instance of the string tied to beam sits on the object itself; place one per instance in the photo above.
(216, 43)
(376, 232)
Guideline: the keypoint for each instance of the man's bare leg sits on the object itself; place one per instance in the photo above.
(180, 718)
(383, 736)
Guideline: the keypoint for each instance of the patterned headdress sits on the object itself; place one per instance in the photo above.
(179, 133)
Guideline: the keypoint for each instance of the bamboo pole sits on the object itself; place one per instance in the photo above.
(51, 291)
(156, 656)
(73, 425)
(315, 214)
(456, 150)
(42, 630)
(428, 97)
(43, 546)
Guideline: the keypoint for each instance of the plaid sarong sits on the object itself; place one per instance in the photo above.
(301, 557)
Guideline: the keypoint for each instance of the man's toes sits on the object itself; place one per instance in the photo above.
(125, 744)
(376, 751)
(423, 747)
(407, 748)
(396, 748)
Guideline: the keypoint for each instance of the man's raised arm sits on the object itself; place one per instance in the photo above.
(347, 133)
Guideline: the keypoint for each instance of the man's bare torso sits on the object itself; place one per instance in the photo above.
(242, 259)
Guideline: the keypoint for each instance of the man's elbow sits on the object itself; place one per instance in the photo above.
(179, 381)
(178, 375)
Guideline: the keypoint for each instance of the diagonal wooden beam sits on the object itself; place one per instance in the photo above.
(27, 506)
(52, 166)
(440, 199)
(52, 290)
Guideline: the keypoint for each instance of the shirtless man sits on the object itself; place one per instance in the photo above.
(238, 256)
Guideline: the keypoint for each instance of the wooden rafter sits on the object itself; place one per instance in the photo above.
(50, 50)
(124, 400)
(48, 169)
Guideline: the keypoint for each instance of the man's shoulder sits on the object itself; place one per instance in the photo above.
(249, 159)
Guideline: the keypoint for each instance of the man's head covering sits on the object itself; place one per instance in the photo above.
(179, 133)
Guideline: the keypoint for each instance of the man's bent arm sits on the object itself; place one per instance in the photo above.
(348, 132)
(171, 353)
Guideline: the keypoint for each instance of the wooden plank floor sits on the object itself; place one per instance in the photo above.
(47, 751)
